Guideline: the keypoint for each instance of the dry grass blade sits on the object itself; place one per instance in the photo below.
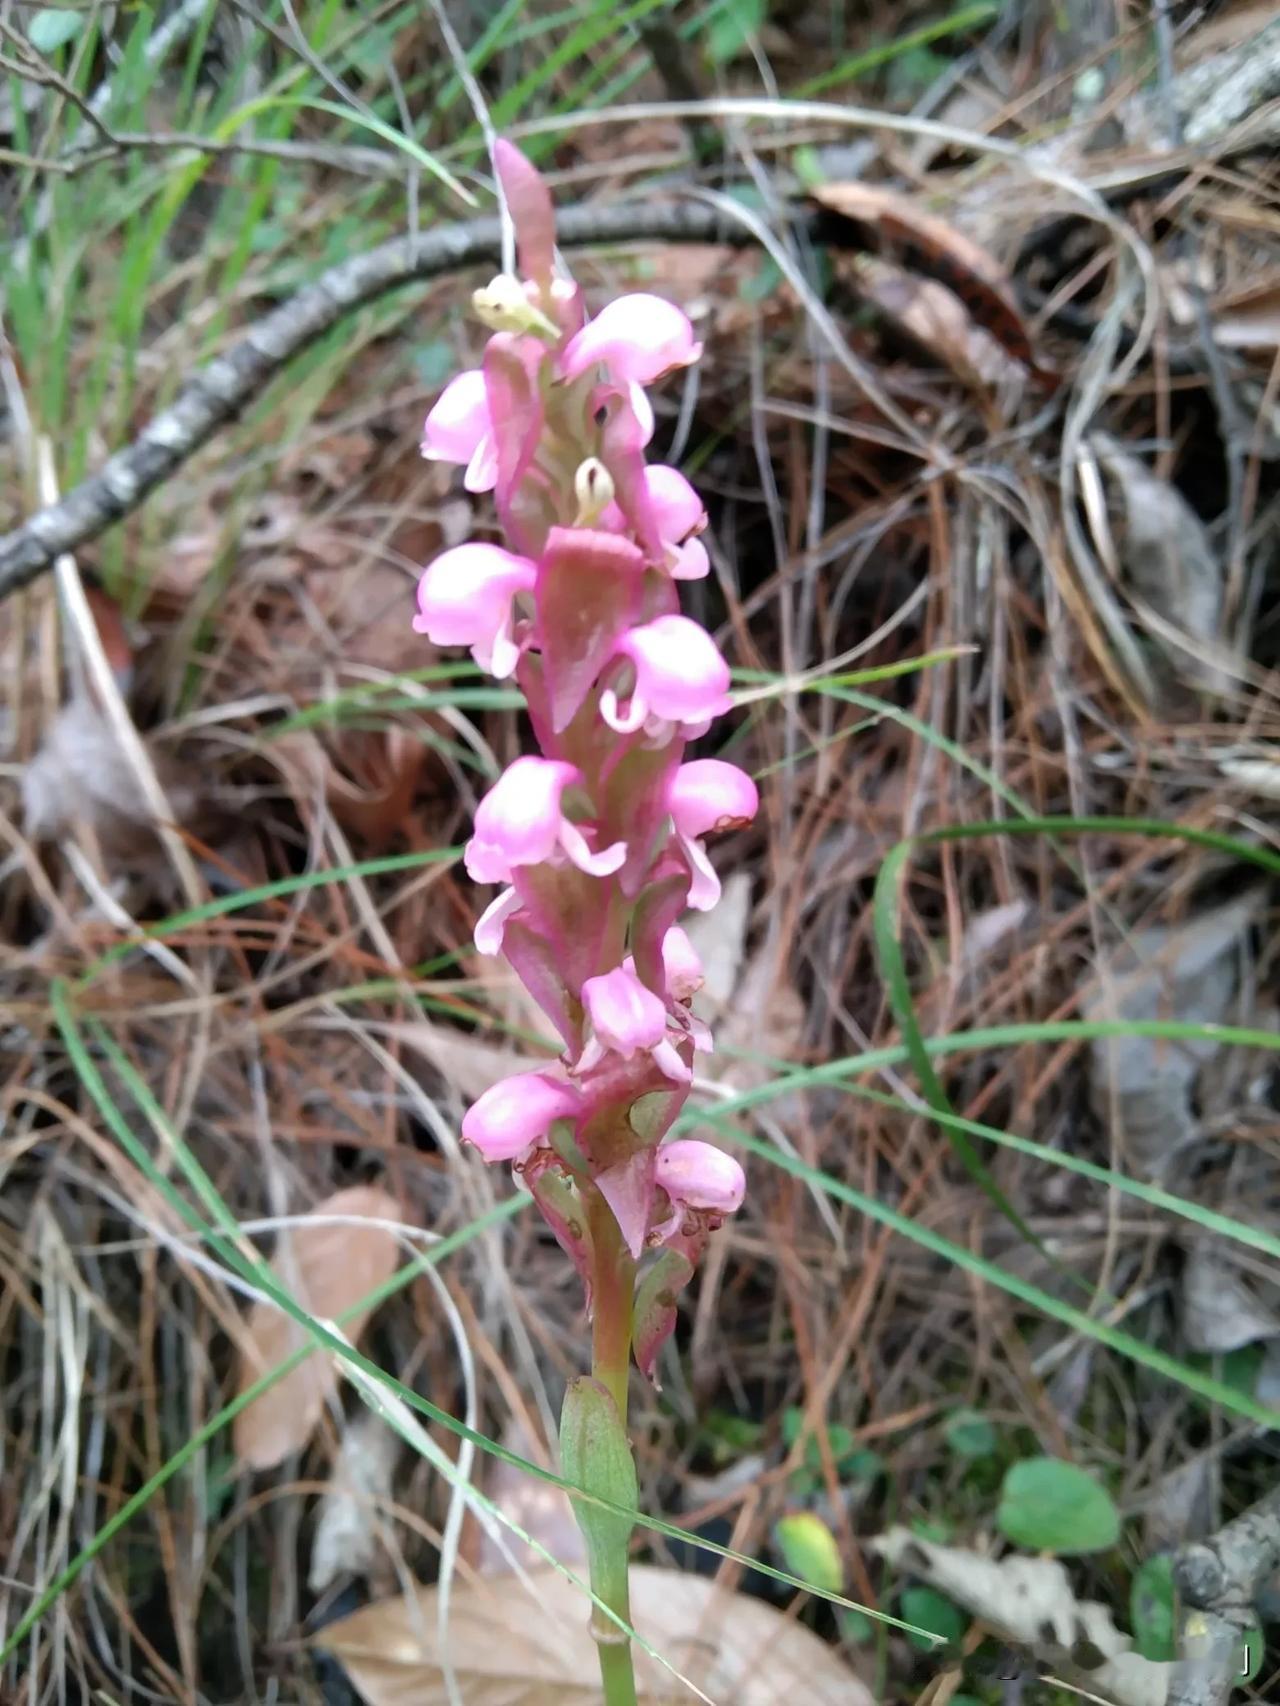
(329, 1261)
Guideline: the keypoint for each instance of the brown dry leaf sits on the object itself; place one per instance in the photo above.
(82, 776)
(373, 800)
(464, 1061)
(327, 1269)
(1167, 559)
(509, 1651)
(1146, 1084)
(350, 1524)
(933, 317)
(892, 223)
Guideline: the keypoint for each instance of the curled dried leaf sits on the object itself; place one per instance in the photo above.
(329, 1261)
(506, 1651)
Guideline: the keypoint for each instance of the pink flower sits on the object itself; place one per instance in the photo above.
(465, 598)
(459, 429)
(628, 1018)
(515, 1114)
(704, 796)
(676, 506)
(677, 510)
(700, 1176)
(681, 966)
(519, 822)
(637, 337)
(680, 679)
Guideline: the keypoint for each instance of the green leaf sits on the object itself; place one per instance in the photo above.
(932, 1611)
(731, 28)
(1255, 1651)
(53, 28)
(969, 1434)
(1152, 1610)
(809, 1550)
(595, 1455)
(1047, 1505)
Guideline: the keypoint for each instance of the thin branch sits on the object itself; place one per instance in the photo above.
(220, 391)
(1218, 1580)
(347, 157)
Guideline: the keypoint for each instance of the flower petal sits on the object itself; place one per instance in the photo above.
(679, 673)
(700, 1176)
(625, 1015)
(459, 419)
(465, 597)
(708, 794)
(639, 337)
(516, 1113)
(518, 821)
(491, 925)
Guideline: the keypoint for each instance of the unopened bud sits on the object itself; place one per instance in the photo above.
(503, 306)
(593, 488)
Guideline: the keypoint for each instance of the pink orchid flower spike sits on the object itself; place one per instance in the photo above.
(520, 822)
(514, 1115)
(681, 681)
(703, 796)
(466, 598)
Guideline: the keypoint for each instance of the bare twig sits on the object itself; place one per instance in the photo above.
(219, 391)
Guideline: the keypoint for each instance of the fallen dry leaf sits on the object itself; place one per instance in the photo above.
(893, 224)
(719, 938)
(463, 1061)
(933, 318)
(327, 1269)
(1031, 1603)
(1145, 1083)
(1223, 1307)
(82, 776)
(352, 1506)
(1166, 558)
(510, 1650)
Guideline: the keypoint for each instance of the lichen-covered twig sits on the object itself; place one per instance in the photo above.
(218, 392)
(1218, 1581)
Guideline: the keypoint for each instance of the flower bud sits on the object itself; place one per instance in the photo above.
(504, 306)
(593, 488)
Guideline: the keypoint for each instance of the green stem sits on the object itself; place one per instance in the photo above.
(613, 1292)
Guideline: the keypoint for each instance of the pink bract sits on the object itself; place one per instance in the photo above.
(638, 338)
(465, 598)
(515, 1114)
